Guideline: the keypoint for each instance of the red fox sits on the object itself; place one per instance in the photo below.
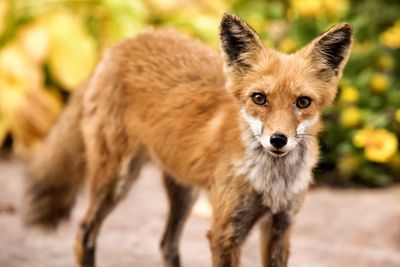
(244, 126)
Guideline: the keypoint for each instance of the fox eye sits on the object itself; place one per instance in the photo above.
(303, 102)
(259, 98)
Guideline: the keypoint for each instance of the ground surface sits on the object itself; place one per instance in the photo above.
(345, 228)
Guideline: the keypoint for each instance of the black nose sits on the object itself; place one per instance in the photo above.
(278, 140)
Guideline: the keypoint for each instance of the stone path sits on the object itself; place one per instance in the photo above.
(336, 228)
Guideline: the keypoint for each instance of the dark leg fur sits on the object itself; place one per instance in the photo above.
(99, 208)
(181, 199)
(275, 240)
(265, 238)
(230, 230)
(105, 195)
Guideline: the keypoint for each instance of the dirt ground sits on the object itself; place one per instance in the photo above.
(346, 228)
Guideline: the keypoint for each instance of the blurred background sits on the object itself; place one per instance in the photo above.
(48, 47)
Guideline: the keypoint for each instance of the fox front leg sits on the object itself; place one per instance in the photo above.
(275, 243)
(233, 219)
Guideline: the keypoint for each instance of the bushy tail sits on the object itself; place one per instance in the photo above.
(56, 172)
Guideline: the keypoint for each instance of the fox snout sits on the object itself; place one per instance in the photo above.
(278, 140)
(280, 144)
(281, 140)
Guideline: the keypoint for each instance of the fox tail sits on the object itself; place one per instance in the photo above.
(56, 173)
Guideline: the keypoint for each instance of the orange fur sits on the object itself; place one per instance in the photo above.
(165, 97)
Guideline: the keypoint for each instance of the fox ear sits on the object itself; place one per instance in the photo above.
(330, 52)
(240, 44)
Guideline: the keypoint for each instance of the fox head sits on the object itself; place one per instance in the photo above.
(281, 95)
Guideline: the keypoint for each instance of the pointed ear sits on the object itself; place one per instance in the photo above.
(240, 44)
(329, 53)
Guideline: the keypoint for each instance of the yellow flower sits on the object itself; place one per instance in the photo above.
(17, 67)
(350, 117)
(361, 137)
(307, 8)
(349, 94)
(397, 115)
(287, 45)
(380, 145)
(73, 52)
(35, 40)
(379, 82)
(386, 62)
(29, 114)
(391, 37)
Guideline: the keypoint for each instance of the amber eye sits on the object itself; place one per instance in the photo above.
(259, 98)
(303, 102)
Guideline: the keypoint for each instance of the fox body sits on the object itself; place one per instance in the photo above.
(243, 126)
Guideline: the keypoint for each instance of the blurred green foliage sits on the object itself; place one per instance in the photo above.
(47, 47)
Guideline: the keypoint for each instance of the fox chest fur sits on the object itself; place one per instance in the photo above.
(281, 182)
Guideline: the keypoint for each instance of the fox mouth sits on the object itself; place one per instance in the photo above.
(277, 153)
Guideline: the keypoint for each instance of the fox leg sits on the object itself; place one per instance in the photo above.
(110, 183)
(234, 216)
(275, 243)
(265, 238)
(181, 199)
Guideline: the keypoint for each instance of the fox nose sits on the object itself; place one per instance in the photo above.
(278, 140)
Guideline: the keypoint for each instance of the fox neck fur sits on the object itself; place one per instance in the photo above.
(280, 180)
